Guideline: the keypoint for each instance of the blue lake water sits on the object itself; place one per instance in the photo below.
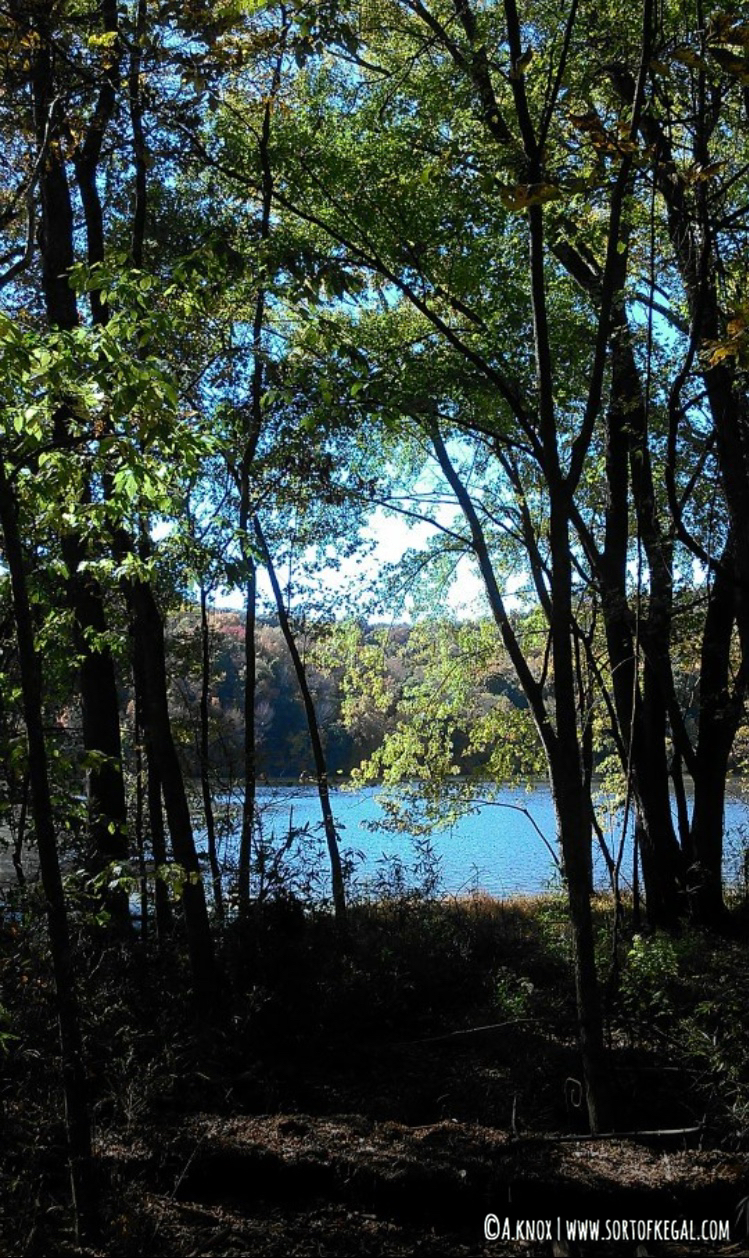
(497, 849)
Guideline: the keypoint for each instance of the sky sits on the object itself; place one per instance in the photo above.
(388, 538)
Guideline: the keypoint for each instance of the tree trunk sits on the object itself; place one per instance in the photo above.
(662, 866)
(706, 871)
(99, 712)
(163, 908)
(573, 808)
(77, 1118)
(574, 835)
(148, 643)
(721, 709)
(572, 802)
(339, 897)
(205, 782)
(251, 439)
(640, 704)
(140, 844)
(250, 754)
(164, 914)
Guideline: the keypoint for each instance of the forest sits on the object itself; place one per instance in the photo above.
(315, 317)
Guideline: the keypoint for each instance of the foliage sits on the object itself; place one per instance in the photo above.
(647, 983)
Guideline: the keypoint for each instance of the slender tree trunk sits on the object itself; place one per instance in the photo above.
(571, 793)
(706, 871)
(140, 147)
(250, 752)
(140, 845)
(641, 715)
(695, 247)
(205, 781)
(636, 903)
(321, 770)
(162, 905)
(148, 642)
(99, 712)
(572, 803)
(78, 1124)
(574, 834)
(164, 914)
(721, 709)
(661, 855)
(662, 868)
(21, 833)
(251, 439)
(573, 811)
(641, 704)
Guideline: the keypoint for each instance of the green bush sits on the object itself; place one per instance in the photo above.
(650, 973)
(512, 994)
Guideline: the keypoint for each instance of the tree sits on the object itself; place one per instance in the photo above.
(118, 414)
(17, 360)
(431, 162)
(594, 165)
(49, 88)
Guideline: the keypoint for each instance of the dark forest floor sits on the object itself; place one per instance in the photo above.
(337, 1111)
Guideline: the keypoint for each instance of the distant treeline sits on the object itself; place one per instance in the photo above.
(410, 700)
(367, 682)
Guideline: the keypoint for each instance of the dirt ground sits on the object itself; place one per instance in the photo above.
(304, 1184)
(385, 1151)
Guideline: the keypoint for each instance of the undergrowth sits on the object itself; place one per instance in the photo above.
(307, 1009)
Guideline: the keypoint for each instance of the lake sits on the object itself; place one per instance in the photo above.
(497, 849)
